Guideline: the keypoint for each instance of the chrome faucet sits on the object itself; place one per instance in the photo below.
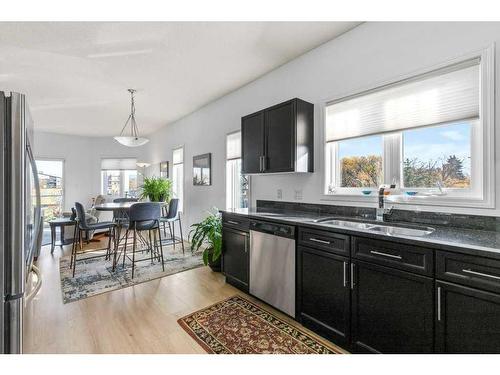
(381, 210)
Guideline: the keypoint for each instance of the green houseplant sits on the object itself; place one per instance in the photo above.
(157, 189)
(208, 234)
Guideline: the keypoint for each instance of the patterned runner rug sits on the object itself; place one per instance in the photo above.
(95, 276)
(237, 326)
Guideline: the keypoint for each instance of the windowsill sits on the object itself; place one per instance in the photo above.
(404, 200)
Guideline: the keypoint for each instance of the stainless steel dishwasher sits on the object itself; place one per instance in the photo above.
(272, 264)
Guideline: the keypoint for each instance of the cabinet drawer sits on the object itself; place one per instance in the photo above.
(236, 222)
(332, 242)
(479, 272)
(405, 257)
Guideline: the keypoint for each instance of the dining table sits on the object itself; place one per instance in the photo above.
(120, 214)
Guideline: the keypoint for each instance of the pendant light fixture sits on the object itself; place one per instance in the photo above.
(132, 140)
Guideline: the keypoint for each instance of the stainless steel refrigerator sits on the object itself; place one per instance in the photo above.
(20, 220)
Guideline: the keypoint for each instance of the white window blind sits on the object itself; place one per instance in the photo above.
(118, 164)
(445, 95)
(233, 146)
(178, 156)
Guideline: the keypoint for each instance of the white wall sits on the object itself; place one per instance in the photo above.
(365, 56)
(82, 162)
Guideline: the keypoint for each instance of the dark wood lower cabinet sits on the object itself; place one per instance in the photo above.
(235, 257)
(468, 320)
(392, 310)
(324, 294)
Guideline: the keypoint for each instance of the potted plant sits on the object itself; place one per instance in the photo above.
(157, 189)
(208, 234)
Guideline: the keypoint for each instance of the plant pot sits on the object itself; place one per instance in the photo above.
(216, 265)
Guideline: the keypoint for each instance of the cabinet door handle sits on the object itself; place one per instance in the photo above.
(260, 163)
(352, 276)
(386, 255)
(264, 167)
(481, 274)
(246, 244)
(319, 241)
(234, 222)
(345, 274)
(439, 304)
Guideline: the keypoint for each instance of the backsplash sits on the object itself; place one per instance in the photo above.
(316, 209)
(476, 222)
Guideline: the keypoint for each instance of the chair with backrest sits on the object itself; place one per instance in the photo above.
(83, 226)
(122, 215)
(173, 215)
(144, 217)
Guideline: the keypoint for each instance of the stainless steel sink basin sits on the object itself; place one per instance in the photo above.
(372, 227)
(401, 231)
(346, 224)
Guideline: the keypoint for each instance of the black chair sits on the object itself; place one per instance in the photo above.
(83, 227)
(170, 218)
(144, 217)
(122, 215)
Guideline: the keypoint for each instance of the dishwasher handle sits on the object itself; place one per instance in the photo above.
(281, 230)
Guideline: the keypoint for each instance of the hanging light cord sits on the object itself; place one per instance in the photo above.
(134, 132)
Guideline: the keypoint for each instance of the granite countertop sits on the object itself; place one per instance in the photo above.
(468, 241)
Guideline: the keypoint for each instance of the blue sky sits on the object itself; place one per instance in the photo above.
(426, 144)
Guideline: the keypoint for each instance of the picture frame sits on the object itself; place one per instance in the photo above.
(202, 170)
(164, 169)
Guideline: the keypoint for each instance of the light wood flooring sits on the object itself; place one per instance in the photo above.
(138, 319)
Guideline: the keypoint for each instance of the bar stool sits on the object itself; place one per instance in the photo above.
(122, 215)
(81, 227)
(144, 217)
(172, 216)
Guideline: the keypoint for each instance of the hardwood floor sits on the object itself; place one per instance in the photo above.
(137, 319)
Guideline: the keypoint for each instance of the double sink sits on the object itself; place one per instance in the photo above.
(384, 229)
(389, 230)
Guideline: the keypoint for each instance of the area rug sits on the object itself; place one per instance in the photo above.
(237, 326)
(95, 276)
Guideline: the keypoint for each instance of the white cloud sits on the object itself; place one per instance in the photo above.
(453, 135)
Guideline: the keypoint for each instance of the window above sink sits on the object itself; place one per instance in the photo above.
(429, 133)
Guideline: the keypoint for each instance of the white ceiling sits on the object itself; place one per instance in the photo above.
(76, 75)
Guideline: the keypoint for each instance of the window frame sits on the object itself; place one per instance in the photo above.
(227, 160)
(63, 178)
(482, 138)
(122, 181)
(181, 199)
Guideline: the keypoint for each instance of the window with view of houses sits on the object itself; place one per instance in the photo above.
(119, 178)
(50, 176)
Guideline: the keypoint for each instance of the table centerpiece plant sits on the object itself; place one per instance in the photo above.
(157, 189)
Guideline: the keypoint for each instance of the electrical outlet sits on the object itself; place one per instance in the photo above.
(298, 195)
(279, 194)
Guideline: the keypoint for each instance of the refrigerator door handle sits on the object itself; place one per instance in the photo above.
(38, 209)
(33, 292)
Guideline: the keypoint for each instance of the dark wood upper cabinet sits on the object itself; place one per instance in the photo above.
(279, 139)
(468, 320)
(252, 142)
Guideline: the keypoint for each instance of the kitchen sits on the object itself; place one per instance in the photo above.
(356, 186)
